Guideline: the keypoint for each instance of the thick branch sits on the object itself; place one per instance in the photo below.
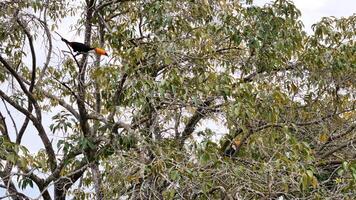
(336, 137)
(41, 132)
(193, 121)
(32, 83)
(82, 70)
(96, 175)
(55, 174)
(64, 183)
(22, 85)
(33, 55)
(61, 102)
(11, 188)
(3, 127)
(36, 121)
(117, 95)
(346, 144)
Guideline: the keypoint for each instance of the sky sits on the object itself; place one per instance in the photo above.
(312, 11)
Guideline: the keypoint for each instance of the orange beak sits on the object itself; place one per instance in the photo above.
(101, 51)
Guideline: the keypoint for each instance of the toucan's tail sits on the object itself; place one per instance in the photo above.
(64, 40)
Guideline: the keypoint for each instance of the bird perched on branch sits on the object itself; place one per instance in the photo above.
(83, 48)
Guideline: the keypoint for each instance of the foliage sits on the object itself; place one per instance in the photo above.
(200, 99)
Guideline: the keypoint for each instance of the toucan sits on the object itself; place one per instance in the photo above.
(83, 48)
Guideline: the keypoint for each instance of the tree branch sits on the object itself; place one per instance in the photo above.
(36, 121)
(193, 121)
(22, 85)
(32, 83)
(49, 37)
(33, 55)
(41, 132)
(336, 137)
(117, 96)
(346, 144)
(13, 193)
(3, 127)
(323, 118)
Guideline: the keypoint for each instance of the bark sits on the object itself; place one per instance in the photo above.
(193, 121)
(95, 166)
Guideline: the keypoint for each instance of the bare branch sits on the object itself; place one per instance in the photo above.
(3, 127)
(32, 83)
(13, 193)
(117, 95)
(49, 37)
(41, 132)
(336, 137)
(346, 144)
(17, 106)
(62, 103)
(324, 118)
(33, 55)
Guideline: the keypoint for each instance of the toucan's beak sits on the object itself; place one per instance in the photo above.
(101, 51)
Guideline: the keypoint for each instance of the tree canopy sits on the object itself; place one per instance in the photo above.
(198, 99)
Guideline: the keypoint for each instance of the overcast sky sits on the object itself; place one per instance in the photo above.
(312, 11)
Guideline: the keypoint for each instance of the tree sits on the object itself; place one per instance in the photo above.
(282, 101)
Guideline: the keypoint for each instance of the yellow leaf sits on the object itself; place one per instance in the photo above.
(339, 180)
(294, 88)
(349, 115)
(133, 178)
(323, 138)
(314, 182)
(237, 142)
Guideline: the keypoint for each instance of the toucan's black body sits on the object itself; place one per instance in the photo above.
(83, 48)
(78, 47)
